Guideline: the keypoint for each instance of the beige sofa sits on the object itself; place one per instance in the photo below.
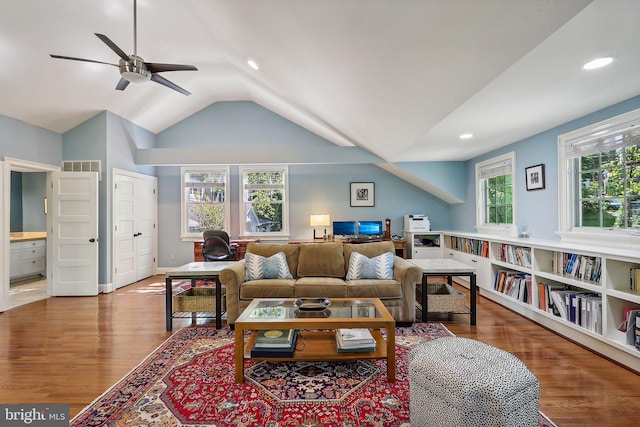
(319, 270)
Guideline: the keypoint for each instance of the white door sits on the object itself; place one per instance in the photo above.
(73, 210)
(145, 209)
(135, 209)
(124, 233)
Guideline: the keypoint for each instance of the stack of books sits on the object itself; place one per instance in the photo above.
(275, 343)
(360, 340)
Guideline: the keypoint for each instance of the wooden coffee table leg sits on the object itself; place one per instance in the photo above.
(239, 354)
(391, 353)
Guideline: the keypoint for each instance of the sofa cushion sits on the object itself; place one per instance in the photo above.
(259, 267)
(270, 249)
(268, 288)
(374, 288)
(319, 287)
(321, 260)
(367, 249)
(363, 267)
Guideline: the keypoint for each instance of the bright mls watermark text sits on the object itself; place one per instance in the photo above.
(34, 415)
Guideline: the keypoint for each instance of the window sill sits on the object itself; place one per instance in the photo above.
(618, 239)
(498, 230)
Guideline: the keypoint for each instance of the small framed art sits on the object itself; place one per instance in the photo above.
(534, 176)
(362, 194)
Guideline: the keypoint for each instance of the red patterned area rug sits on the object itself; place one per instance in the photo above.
(189, 381)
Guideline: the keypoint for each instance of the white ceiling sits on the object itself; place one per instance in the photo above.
(400, 78)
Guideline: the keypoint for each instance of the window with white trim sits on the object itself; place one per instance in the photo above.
(204, 201)
(600, 176)
(264, 206)
(495, 195)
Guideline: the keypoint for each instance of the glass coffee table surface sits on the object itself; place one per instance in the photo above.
(310, 308)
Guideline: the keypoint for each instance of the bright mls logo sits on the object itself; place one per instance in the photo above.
(34, 415)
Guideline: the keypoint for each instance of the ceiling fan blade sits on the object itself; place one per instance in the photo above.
(81, 59)
(159, 79)
(158, 68)
(113, 46)
(122, 84)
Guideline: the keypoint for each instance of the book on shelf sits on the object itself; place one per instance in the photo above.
(350, 347)
(634, 279)
(627, 319)
(354, 338)
(275, 338)
(272, 352)
(276, 350)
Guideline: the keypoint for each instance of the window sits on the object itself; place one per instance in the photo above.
(495, 198)
(264, 201)
(204, 201)
(601, 179)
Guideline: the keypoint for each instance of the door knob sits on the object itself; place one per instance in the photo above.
(92, 240)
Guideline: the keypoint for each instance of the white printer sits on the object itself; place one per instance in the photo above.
(416, 222)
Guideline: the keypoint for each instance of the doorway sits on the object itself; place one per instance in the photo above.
(41, 288)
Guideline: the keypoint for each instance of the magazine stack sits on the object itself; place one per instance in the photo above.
(355, 340)
(275, 343)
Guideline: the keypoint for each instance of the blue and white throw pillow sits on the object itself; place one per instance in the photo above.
(259, 267)
(362, 267)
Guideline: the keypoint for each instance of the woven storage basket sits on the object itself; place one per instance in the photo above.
(198, 300)
(443, 298)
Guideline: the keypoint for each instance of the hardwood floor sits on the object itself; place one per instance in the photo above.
(69, 350)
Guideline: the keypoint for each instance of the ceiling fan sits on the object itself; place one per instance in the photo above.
(133, 68)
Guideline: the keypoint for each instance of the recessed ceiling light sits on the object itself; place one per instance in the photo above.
(598, 63)
(466, 136)
(253, 64)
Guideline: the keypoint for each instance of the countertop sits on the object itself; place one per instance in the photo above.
(27, 235)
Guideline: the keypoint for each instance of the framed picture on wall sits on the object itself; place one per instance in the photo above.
(534, 176)
(362, 194)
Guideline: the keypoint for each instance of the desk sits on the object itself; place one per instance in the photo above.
(448, 268)
(193, 271)
(399, 245)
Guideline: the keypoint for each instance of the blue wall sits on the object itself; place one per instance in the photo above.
(26, 142)
(320, 187)
(537, 210)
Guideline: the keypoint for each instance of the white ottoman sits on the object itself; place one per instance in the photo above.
(462, 382)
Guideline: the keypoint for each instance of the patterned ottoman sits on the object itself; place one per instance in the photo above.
(462, 382)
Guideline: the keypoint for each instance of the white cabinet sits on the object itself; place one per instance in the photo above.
(28, 258)
(423, 245)
(525, 274)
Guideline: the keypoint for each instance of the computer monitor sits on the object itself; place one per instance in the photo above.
(344, 228)
(370, 228)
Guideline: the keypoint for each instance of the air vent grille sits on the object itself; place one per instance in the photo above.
(83, 166)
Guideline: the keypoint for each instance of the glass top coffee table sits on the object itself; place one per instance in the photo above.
(316, 327)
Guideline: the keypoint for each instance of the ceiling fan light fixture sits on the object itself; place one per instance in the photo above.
(134, 70)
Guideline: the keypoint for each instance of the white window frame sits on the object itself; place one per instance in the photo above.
(184, 234)
(265, 235)
(569, 233)
(508, 161)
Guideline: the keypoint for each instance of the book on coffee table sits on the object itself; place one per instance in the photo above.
(276, 349)
(278, 338)
(361, 340)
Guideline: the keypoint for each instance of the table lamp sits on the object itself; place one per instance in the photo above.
(322, 220)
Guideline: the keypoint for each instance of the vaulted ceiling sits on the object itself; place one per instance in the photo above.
(399, 78)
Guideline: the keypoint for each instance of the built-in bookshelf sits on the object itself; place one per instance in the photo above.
(514, 284)
(580, 292)
(469, 246)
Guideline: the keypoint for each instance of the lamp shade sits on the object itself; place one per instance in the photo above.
(319, 220)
